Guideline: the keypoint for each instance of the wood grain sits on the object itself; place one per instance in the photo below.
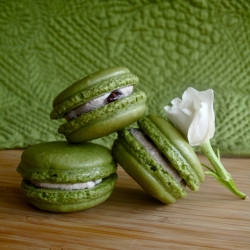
(211, 218)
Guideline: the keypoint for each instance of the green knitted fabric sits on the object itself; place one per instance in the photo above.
(170, 45)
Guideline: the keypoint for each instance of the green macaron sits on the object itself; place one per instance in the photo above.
(99, 104)
(63, 177)
(158, 158)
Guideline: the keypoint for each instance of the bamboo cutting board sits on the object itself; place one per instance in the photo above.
(212, 218)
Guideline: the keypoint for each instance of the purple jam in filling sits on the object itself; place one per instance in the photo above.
(115, 95)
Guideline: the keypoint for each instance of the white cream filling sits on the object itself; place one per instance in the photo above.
(101, 100)
(155, 152)
(97, 103)
(67, 186)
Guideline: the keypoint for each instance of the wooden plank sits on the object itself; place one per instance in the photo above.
(211, 218)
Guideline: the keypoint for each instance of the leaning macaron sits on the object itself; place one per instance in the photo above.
(99, 104)
(158, 158)
(63, 177)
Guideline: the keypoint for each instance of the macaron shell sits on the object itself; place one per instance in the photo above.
(87, 92)
(176, 141)
(106, 120)
(69, 207)
(69, 201)
(61, 161)
(66, 176)
(147, 179)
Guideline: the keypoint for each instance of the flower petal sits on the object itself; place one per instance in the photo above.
(206, 96)
(180, 118)
(190, 94)
(202, 127)
(176, 102)
(193, 115)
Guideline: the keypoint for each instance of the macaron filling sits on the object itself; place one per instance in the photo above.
(99, 102)
(67, 186)
(154, 151)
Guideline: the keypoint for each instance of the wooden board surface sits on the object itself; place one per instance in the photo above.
(211, 218)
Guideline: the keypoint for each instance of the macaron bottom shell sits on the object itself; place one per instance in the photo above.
(151, 179)
(108, 119)
(56, 200)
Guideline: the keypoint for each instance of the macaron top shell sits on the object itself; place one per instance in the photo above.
(62, 162)
(175, 148)
(90, 87)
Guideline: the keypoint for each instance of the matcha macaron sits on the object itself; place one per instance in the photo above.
(99, 104)
(63, 177)
(158, 158)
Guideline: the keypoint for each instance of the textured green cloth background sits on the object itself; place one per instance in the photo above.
(170, 45)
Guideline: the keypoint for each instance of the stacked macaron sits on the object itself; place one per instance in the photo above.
(73, 175)
(64, 177)
(99, 104)
(158, 158)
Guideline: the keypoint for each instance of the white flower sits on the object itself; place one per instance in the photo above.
(193, 116)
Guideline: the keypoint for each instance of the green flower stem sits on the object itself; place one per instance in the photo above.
(209, 152)
(219, 172)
